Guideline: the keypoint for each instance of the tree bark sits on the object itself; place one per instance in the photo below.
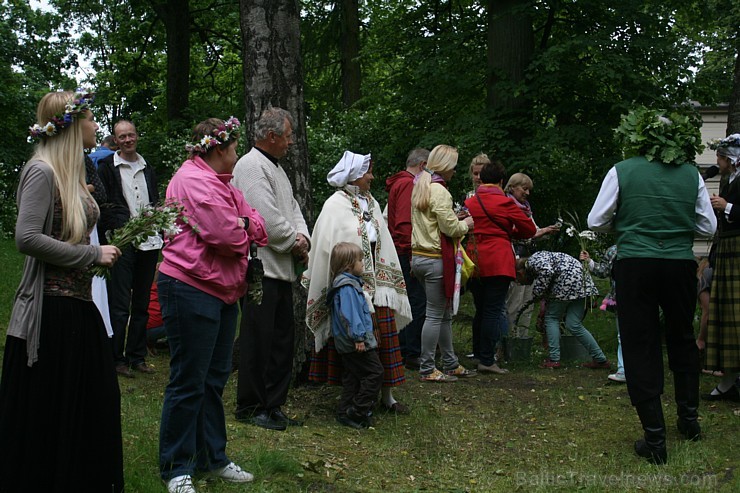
(273, 76)
(733, 111)
(509, 52)
(349, 49)
(175, 15)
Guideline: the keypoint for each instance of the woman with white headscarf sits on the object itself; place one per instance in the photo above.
(723, 331)
(352, 215)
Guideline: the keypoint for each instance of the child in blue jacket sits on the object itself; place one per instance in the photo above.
(352, 328)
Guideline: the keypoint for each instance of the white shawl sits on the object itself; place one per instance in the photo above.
(341, 219)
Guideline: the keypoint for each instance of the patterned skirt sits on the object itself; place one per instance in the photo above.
(723, 331)
(326, 365)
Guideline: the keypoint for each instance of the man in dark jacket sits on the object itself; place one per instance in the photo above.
(399, 187)
(130, 184)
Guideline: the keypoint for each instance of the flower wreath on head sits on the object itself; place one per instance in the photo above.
(729, 141)
(219, 136)
(78, 104)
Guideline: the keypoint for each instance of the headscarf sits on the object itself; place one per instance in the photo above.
(730, 148)
(351, 167)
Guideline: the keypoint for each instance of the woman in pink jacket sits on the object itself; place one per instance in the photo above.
(200, 281)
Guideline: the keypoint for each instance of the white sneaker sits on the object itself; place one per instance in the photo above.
(180, 484)
(617, 377)
(233, 474)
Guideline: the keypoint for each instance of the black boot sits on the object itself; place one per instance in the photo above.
(687, 404)
(652, 447)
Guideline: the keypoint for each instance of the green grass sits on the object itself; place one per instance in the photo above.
(530, 430)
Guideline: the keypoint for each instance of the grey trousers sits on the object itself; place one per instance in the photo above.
(437, 327)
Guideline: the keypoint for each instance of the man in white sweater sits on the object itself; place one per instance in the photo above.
(267, 330)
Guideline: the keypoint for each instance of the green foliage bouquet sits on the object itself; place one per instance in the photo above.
(150, 221)
(671, 137)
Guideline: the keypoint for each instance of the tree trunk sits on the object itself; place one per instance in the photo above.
(175, 15)
(510, 49)
(349, 48)
(273, 76)
(733, 112)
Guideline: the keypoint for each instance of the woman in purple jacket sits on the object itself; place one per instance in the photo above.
(201, 279)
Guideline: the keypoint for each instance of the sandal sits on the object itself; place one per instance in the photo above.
(437, 377)
(460, 372)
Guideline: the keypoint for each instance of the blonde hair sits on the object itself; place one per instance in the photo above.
(480, 160)
(443, 158)
(64, 153)
(701, 266)
(518, 180)
(343, 256)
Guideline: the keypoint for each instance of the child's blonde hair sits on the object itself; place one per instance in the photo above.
(343, 256)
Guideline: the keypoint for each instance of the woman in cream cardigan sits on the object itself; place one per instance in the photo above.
(434, 229)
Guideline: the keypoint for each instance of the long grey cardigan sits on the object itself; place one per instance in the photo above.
(35, 200)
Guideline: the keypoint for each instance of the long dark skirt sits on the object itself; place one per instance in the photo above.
(723, 327)
(60, 420)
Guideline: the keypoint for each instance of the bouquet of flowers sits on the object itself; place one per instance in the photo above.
(583, 236)
(573, 230)
(150, 221)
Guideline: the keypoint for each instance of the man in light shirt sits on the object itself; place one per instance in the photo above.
(655, 209)
(130, 184)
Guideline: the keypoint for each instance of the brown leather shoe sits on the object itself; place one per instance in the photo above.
(143, 368)
(124, 371)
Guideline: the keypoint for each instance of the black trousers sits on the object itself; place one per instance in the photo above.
(128, 300)
(266, 349)
(410, 336)
(362, 377)
(643, 286)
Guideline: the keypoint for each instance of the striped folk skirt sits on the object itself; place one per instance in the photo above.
(723, 331)
(326, 365)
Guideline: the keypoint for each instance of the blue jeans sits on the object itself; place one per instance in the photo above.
(574, 311)
(200, 331)
(493, 317)
(410, 336)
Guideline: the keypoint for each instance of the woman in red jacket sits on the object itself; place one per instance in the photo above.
(500, 221)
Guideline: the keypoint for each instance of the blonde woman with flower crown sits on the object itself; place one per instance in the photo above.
(60, 423)
(435, 228)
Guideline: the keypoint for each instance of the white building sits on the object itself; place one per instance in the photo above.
(714, 126)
